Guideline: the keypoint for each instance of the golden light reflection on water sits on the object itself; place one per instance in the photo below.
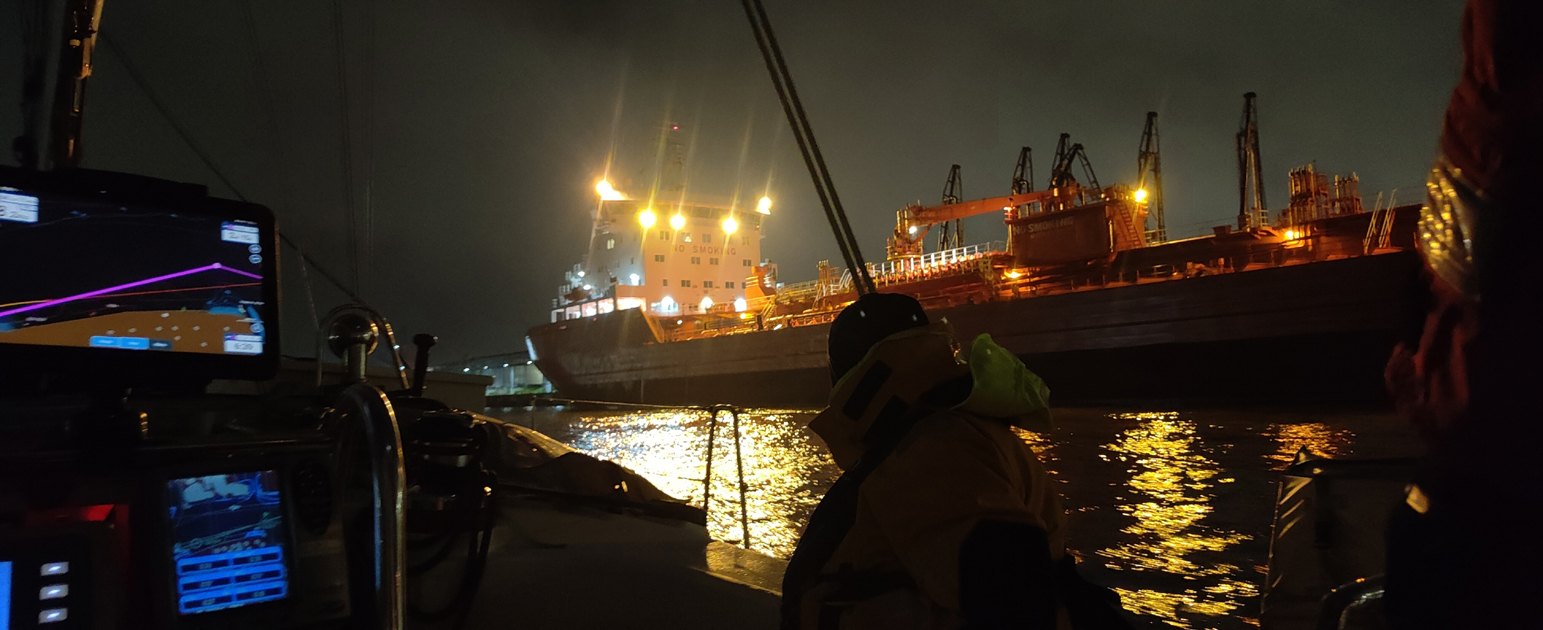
(786, 472)
(1173, 484)
(1170, 509)
(1318, 438)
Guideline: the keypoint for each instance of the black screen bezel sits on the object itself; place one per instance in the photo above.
(140, 368)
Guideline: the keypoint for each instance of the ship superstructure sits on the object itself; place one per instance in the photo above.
(675, 259)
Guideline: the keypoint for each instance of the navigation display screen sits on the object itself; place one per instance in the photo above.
(228, 541)
(91, 273)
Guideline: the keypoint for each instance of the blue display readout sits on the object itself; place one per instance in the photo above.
(228, 545)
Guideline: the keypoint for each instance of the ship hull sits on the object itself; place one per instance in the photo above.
(1305, 333)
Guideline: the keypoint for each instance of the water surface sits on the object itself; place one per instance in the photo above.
(1170, 508)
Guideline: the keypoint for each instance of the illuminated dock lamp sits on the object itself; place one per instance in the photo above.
(730, 225)
(911, 230)
(635, 278)
(677, 221)
(764, 205)
(740, 305)
(706, 303)
(1141, 195)
(666, 304)
(647, 218)
(606, 192)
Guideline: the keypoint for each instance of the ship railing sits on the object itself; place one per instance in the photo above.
(934, 263)
(799, 291)
(714, 415)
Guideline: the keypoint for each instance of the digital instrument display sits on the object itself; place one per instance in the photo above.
(85, 272)
(228, 541)
(5, 595)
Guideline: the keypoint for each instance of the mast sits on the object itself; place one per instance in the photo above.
(54, 91)
(81, 20)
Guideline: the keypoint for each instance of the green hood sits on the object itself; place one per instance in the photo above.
(1005, 388)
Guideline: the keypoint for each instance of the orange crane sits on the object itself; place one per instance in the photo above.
(914, 220)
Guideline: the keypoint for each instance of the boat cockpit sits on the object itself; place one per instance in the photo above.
(156, 473)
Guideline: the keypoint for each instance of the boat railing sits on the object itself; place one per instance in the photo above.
(1342, 607)
(739, 464)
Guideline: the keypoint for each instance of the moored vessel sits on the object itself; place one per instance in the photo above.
(1087, 290)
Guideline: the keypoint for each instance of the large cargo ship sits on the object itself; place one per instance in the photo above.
(1300, 305)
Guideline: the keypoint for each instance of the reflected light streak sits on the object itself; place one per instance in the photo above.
(787, 472)
(1318, 438)
(1167, 535)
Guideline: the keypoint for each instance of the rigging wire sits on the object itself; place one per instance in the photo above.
(344, 122)
(265, 96)
(368, 114)
(208, 162)
(782, 80)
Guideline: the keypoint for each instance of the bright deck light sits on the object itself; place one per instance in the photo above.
(606, 192)
(730, 225)
(705, 304)
(1141, 195)
(740, 305)
(764, 205)
(677, 221)
(647, 218)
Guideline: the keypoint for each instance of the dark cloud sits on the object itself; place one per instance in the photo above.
(478, 127)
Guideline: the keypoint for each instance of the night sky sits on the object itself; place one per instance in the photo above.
(479, 127)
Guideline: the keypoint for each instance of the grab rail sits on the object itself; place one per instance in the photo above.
(713, 412)
(739, 463)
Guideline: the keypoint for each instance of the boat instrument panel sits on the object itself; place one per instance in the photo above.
(129, 497)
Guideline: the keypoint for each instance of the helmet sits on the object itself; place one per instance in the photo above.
(866, 322)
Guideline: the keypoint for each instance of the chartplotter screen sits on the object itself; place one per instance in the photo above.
(93, 274)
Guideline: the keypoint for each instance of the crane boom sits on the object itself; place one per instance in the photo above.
(953, 192)
(1149, 178)
(916, 215)
(1251, 204)
(1023, 172)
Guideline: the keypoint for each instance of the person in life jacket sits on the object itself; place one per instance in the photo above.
(943, 517)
